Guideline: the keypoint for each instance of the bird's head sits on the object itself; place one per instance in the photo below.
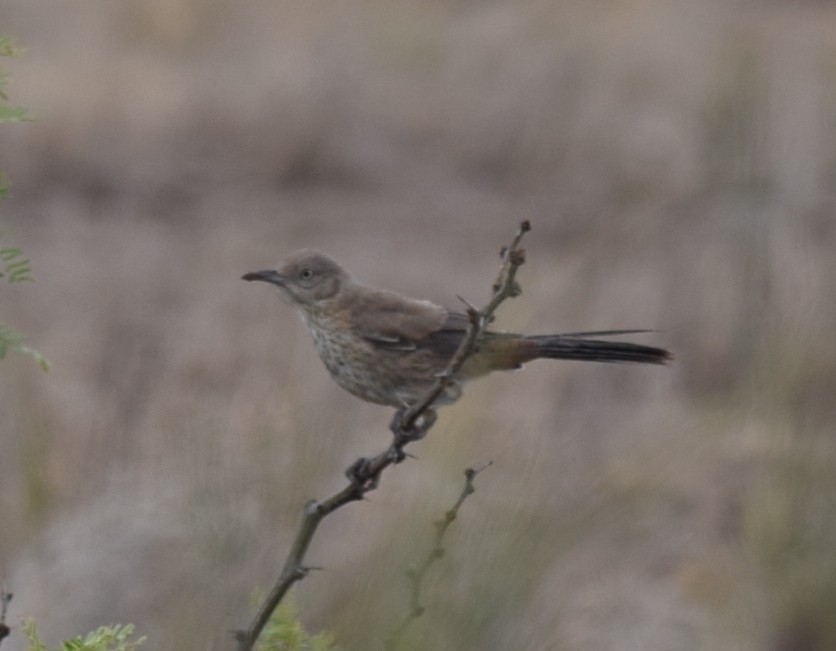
(305, 278)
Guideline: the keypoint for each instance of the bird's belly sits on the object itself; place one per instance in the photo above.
(384, 377)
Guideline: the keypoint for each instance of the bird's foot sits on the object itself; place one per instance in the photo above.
(364, 474)
(415, 432)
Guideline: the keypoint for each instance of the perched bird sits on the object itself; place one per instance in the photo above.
(389, 349)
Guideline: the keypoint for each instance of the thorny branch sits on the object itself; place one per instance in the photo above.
(416, 575)
(505, 286)
(364, 475)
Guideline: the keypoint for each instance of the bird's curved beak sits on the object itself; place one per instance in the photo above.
(267, 275)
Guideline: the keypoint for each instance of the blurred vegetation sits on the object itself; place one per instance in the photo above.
(15, 267)
(105, 638)
(284, 632)
(9, 113)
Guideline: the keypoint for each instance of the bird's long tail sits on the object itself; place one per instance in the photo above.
(577, 346)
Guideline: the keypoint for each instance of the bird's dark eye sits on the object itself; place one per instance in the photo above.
(306, 274)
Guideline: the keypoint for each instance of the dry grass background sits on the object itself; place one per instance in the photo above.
(677, 161)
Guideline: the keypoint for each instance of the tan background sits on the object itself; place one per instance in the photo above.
(677, 160)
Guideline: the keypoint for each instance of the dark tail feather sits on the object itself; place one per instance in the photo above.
(595, 350)
(603, 333)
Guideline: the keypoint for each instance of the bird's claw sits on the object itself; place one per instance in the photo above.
(416, 432)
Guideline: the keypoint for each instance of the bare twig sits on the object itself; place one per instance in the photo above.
(364, 475)
(416, 575)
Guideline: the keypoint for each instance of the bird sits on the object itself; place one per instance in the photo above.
(390, 349)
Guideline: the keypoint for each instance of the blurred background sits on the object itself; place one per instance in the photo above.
(677, 160)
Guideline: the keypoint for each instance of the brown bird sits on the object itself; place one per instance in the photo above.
(389, 349)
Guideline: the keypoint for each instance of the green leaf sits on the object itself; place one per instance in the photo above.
(31, 633)
(9, 253)
(16, 269)
(13, 114)
(284, 632)
(34, 354)
(11, 340)
(104, 638)
(6, 47)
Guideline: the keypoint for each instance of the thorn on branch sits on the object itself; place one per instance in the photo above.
(471, 473)
(469, 307)
(396, 453)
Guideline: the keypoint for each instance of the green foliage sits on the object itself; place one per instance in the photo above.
(284, 632)
(13, 114)
(6, 47)
(104, 638)
(11, 340)
(9, 113)
(15, 267)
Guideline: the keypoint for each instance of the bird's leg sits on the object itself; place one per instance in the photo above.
(362, 472)
(418, 430)
(427, 420)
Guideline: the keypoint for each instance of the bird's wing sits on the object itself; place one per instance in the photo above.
(394, 322)
(446, 340)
